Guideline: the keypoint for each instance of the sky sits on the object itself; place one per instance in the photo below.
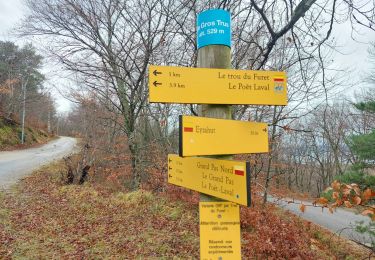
(354, 53)
(11, 13)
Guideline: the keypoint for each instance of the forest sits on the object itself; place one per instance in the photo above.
(25, 103)
(322, 139)
(106, 47)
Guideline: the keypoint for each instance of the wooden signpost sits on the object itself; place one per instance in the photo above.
(225, 179)
(216, 86)
(209, 136)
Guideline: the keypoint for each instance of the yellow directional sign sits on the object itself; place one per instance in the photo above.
(209, 136)
(216, 86)
(224, 179)
(219, 231)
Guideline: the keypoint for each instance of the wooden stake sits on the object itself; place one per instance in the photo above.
(215, 56)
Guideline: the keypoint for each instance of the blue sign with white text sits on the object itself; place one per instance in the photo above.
(213, 27)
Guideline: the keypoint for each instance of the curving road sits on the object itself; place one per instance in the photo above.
(16, 164)
(341, 222)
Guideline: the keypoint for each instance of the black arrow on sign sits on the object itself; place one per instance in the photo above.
(265, 129)
(170, 176)
(170, 168)
(156, 72)
(157, 83)
(169, 160)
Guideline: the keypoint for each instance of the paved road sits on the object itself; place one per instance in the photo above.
(16, 164)
(341, 222)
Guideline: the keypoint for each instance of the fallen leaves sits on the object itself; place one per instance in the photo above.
(49, 220)
(368, 194)
(336, 185)
(357, 200)
(348, 204)
(322, 201)
(368, 212)
(83, 222)
(348, 195)
(269, 234)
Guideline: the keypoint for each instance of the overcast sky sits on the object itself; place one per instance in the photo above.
(11, 13)
(355, 58)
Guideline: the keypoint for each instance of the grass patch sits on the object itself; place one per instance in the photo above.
(338, 247)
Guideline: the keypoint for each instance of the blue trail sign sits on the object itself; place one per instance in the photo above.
(213, 27)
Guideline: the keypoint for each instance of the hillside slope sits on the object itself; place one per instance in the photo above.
(10, 134)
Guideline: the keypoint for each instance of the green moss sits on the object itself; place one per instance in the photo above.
(34, 138)
(10, 135)
(7, 137)
(5, 130)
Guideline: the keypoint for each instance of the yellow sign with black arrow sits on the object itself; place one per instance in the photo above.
(216, 86)
(224, 179)
(209, 136)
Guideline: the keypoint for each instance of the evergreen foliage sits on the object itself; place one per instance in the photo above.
(363, 145)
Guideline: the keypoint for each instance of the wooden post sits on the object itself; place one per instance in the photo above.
(215, 56)
(213, 41)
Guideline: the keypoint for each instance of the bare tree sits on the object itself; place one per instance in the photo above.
(110, 43)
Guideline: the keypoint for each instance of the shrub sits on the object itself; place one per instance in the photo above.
(328, 195)
(362, 179)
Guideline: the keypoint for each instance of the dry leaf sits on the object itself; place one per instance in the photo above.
(338, 203)
(367, 211)
(336, 185)
(357, 200)
(302, 208)
(346, 191)
(367, 194)
(357, 190)
(322, 201)
(348, 204)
